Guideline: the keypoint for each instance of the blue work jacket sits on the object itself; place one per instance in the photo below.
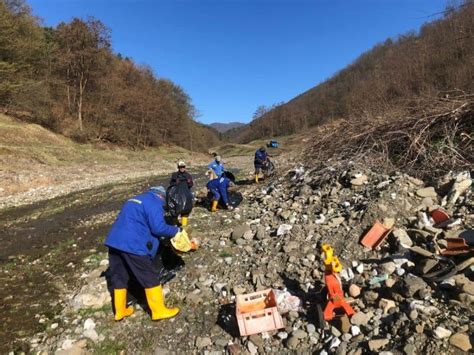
(217, 167)
(260, 157)
(220, 185)
(139, 225)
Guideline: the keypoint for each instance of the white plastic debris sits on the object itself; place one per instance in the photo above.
(282, 229)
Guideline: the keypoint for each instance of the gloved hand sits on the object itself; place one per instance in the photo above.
(181, 241)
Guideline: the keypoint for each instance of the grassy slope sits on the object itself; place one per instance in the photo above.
(33, 157)
(21, 141)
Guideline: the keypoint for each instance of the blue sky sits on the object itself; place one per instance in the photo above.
(231, 56)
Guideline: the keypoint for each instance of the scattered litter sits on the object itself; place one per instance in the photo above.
(286, 302)
(378, 279)
(439, 216)
(257, 312)
(375, 236)
(282, 229)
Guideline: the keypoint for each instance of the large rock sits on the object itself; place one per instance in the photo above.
(461, 341)
(242, 231)
(412, 284)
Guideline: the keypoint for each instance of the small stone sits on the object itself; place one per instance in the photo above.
(335, 332)
(91, 334)
(403, 238)
(89, 324)
(256, 339)
(359, 181)
(461, 341)
(409, 349)
(360, 268)
(388, 222)
(441, 333)
(413, 314)
(360, 318)
(343, 324)
(355, 330)
(282, 335)
(354, 290)
(203, 342)
(389, 267)
(242, 231)
(299, 334)
(292, 342)
(252, 348)
(54, 325)
(389, 283)
(427, 192)
(386, 304)
(376, 344)
(310, 328)
(335, 342)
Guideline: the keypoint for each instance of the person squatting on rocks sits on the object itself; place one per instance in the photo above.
(216, 168)
(260, 161)
(182, 177)
(219, 188)
(133, 243)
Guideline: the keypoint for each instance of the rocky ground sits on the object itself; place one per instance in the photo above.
(272, 240)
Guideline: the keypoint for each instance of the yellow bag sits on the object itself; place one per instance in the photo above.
(181, 242)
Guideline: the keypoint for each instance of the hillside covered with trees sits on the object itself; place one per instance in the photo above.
(389, 80)
(69, 80)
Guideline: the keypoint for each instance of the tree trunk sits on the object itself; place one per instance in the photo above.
(82, 87)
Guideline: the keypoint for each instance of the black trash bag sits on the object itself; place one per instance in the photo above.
(229, 175)
(179, 200)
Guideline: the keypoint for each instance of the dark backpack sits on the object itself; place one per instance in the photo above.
(179, 200)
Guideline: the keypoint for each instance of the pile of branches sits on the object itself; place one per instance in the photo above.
(426, 137)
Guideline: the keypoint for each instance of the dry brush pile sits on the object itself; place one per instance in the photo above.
(426, 138)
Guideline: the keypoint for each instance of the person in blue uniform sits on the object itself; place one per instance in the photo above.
(260, 161)
(133, 242)
(219, 188)
(216, 168)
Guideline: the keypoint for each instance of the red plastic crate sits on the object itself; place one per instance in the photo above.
(257, 312)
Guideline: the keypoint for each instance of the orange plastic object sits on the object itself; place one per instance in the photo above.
(439, 216)
(257, 312)
(375, 236)
(194, 244)
(336, 298)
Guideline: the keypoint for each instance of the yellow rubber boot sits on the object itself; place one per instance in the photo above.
(214, 206)
(120, 303)
(156, 302)
(184, 221)
(256, 178)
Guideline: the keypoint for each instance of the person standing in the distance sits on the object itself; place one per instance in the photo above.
(260, 161)
(182, 178)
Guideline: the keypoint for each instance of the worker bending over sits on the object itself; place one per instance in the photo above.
(133, 242)
(219, 188)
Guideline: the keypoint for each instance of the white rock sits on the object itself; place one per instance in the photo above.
(91, 334)
(104, 262)
(355, 330)
(89, 324)
(335, 342)
(442, 333)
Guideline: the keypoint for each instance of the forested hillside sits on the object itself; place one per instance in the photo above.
(69, 80)
(389, 80)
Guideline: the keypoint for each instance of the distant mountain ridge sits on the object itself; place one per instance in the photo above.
(224, 127)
